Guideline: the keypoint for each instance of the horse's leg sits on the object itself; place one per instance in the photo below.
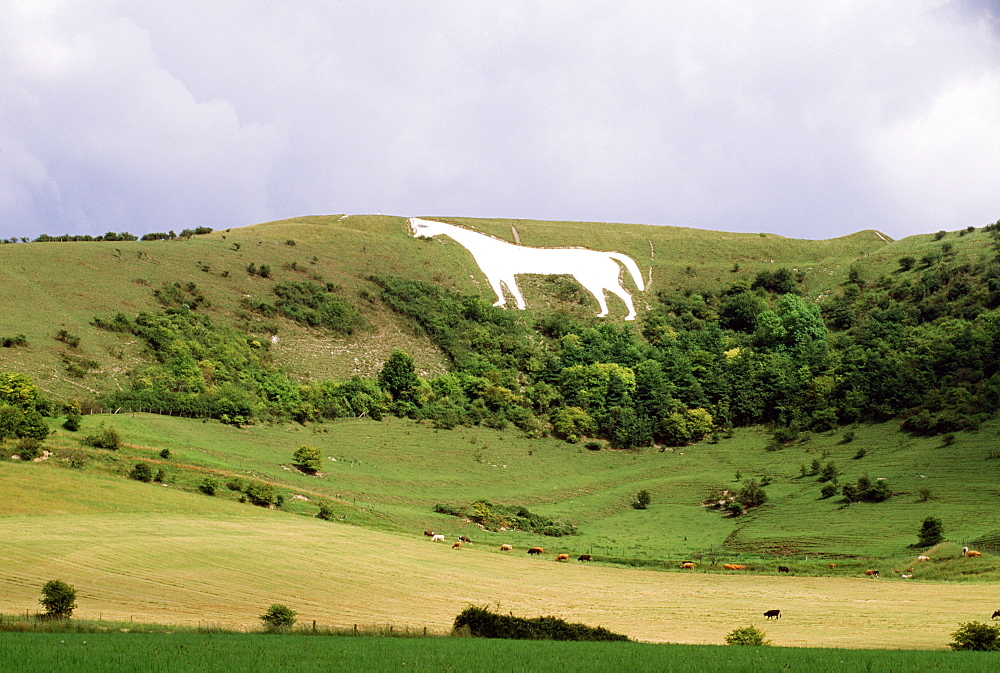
(625, 297)
(494, 282)
(511, 283)
(596, 289)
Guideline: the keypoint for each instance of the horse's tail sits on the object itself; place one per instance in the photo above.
(632, 267)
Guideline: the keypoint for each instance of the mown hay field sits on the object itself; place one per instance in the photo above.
(227, 568)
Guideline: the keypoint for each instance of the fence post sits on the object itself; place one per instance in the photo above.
(314, 626)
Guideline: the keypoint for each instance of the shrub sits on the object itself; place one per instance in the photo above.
(748, 635)
(642, 500)
(308, 458)
(848, 437)
(29, 448)
(278, 617)
(260, 494)
(752, 494)
(165, 454)
(828, 491)
(72, 422)
(235, 484)
(208, 485)
(925, 494)
(861, 453)
(75, 457)
(907, 263)
(160, 476)
(867, 490)
(482, 623)
(14, 341)
(976, 636)
(325, 512)
(104, 438)
(931, 532)
(141, 472)
(58, 599)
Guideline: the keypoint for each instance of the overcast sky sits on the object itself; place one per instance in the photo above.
(807, 119)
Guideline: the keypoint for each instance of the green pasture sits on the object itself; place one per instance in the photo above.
(391, 473)
(219, 652)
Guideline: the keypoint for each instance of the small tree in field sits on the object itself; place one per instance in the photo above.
(278, 617)
(308, 458)
(976, 636)
(58, 599)
(142, 472)
(931, 532)
(642, 499)
(748, 635)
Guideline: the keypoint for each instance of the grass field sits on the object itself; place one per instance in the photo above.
(152, 652)
(163, 554)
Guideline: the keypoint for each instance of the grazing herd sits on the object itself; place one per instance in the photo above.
(689, 565)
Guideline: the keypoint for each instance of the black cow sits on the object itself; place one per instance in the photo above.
(773, 613)
(995, 614)
(783, 569)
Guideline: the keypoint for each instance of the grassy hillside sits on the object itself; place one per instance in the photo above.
(166, 552)
(64, 286)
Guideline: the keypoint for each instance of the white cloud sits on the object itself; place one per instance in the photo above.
(808, 119)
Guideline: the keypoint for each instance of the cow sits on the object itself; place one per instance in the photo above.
(995, 614)
(687, 565)
(972, 553)
(462, 538)
(783, 569)
(562, 557)
(871, 573)
(734, 566)
(584, 557)
(437, 538)
(773, 613)
(831, 566)
(536, 551)
(923, 558)
(506, 547)
(428, 533)
(457, 545)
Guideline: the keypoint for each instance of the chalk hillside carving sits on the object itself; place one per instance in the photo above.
(501, 261)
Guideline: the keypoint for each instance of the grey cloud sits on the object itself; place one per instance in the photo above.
(806, 119)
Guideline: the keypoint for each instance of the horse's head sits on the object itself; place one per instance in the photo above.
(425, 228)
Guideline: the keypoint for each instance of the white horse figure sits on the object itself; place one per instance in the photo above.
(501, 261)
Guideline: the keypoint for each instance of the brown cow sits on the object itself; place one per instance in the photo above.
(783, 569)
(871, 573)
(734, 566)
(831, 566)
(536, 551)
(584, 557)
(562, 557)
(506, 547)
(457, 545)
(687, 566)
(972, 553)
(429, 533)
(462, 538)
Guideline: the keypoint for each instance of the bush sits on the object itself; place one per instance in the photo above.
(308, 458)
(931, 532)
(104, 438)
(260, 494)
(165, 454)
(28, 448)
(642, 500)
(325, 512)
(141, 472)
(235, 484)
(76, 458)
(72, 422)
(828, 491)
(278, 617)
(748, 635)
(976, 636)
(208, 485)
(752, 494)
(58, 599)
(482, 623)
